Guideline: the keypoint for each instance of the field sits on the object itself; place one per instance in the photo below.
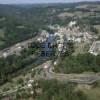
(97, 27)
(87, 6)
(91, 91)
(65, 14)
(81, 48)
(1, 36)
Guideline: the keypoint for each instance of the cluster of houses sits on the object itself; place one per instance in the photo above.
(70, 33)
(95, 48)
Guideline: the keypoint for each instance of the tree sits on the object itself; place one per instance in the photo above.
(20, 81)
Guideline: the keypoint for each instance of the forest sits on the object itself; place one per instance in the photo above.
(11, 65)
(78, 64)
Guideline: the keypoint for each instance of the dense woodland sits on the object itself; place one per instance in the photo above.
(54, 90)
(78, 64)
(11, 65)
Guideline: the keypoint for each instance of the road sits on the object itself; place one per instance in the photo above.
(86, 78)
(75, 78)
(17, 48)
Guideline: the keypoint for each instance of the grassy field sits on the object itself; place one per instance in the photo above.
(91, 91)
(92, 94)
(1, 36)
(97, 27)
(81, 14)
(82, 6)
(65, 14)
(81, 48)
(96, 6)
(1, 33)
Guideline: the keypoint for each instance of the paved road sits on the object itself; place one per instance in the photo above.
(76, 78)
(17, 48)
(86, 78)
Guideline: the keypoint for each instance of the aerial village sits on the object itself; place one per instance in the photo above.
(72, 33)
(61, 37)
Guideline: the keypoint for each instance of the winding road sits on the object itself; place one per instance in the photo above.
(85, 78)
(88, 78)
